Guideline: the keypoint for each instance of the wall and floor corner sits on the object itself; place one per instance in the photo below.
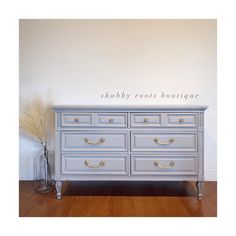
(78, 61)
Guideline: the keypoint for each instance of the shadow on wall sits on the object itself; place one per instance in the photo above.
(210, 156)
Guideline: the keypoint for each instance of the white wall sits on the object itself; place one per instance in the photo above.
(78, 60)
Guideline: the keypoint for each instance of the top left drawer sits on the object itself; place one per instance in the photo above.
(76, 119)
(105, 120)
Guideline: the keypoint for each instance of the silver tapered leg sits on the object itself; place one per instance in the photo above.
(58, 186)
(199, 185)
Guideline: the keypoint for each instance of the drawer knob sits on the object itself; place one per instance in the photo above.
(145, 120)
(171, 165)
(110, 120)
(181, 120)
(100, 164)
(76, 120)
(157, 141)
(101, 140)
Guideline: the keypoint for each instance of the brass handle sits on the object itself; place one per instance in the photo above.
(156, 140)
(181, 120)
(100, 164)
(145, 120)
(110, 120)
(101, 140)
(171, 165)
(76, 120)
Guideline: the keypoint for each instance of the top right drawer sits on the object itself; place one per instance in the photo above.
(181, 119)
(156, 120)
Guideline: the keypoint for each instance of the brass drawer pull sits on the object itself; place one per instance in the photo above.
(171, 165)
(145, 120)
(76, 120)
(100, 164)
(181, 120)
(156, 140)
(101, 140)
(110, 120)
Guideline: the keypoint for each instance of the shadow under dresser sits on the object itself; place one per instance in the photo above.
(129, 143)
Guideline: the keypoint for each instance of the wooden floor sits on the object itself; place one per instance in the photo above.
(119, 199)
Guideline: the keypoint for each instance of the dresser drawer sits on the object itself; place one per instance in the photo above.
(178, 119)
(94, 119)
(145, 119)
(76, 119)
(160, 164)
(160, 141)
(94, 141)
(111, 120)
(94, 164)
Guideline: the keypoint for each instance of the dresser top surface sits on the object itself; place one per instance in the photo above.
(131, 107)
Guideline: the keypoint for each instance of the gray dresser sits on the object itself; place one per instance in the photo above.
(129, 143)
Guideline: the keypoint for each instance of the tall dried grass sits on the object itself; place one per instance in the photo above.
(37, 119)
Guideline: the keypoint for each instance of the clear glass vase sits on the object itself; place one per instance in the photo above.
(45, 184)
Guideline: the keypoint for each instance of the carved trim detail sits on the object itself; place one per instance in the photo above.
(200, 120)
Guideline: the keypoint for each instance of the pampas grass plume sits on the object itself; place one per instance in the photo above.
(37, 119)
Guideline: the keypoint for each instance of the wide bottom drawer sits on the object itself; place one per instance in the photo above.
(163, 165)
(94, 164)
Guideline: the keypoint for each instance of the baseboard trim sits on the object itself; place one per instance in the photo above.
(210, 175)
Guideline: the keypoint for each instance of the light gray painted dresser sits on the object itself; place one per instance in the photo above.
(129, 143)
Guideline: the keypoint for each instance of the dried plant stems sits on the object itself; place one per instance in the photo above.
(37, 119)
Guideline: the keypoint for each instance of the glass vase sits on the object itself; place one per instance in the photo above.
(45, 184)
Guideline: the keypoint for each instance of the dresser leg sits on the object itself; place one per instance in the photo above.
(199, 185)
(58, 186)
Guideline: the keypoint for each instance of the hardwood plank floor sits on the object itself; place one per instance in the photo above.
(148, 199)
